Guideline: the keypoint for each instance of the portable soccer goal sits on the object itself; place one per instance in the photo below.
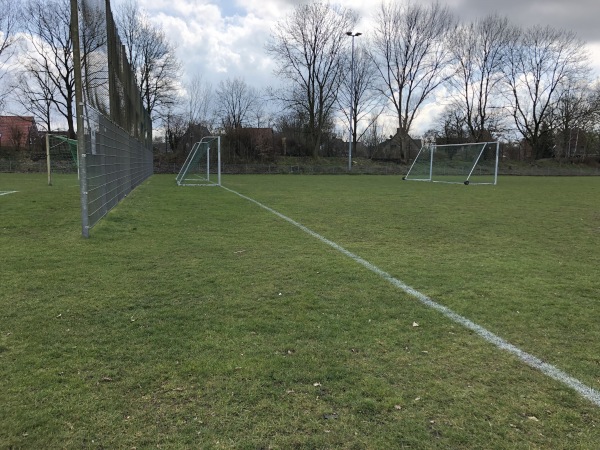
(456, 163)
(202, 166)
(61, 155)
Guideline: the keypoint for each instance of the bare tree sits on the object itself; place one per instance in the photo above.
(9, 19)
(575, 115)
(128, 18)
(308, 47)
(366, 102)
(177, 124)
(49, 60)
(541, 61)
(260, 112)
(195, 107)
(411, 57)
(200, 101)
(452, 126)
(152, 58)
(15, 137)
(159, 71)
(374, 135)
(479, 50)
(235, 100)
(595, 105)
(8, 25)
(36, 92)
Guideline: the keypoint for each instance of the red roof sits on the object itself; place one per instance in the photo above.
(16, 131)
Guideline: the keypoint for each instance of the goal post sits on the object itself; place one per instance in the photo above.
(202, 166)
(472, 163)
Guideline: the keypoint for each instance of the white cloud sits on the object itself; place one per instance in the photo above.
(217, 45)
(594, 49)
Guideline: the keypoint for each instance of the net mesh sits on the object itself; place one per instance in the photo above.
(62, 153)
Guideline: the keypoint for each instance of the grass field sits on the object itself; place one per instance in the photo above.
(192, 318)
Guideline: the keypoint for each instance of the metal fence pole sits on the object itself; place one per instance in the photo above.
(48, 159)
(85, 231)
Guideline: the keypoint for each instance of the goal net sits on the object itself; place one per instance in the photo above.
(456, 163)
(202, 166)
(61, 155)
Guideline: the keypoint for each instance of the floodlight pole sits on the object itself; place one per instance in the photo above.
(352, 35)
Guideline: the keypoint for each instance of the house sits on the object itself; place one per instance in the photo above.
(261, 139)
(194, 133)
(253, 143)
(390, 149)
(18, 132)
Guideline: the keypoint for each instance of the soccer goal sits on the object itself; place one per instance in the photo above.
(456, 163)
(61, 155)
(202, 166)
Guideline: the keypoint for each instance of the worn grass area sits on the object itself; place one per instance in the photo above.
(193, 318)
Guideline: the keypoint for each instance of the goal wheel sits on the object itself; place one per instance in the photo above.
(404, 178)
(467, 183)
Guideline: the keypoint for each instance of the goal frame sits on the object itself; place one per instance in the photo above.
(432, 151)
(193, 158)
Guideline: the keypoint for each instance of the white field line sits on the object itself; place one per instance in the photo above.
(548, 369)
(7, 192)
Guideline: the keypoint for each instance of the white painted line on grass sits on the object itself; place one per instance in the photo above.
(548, 369)
(7, 192)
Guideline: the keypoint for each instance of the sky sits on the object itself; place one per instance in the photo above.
(226, 38)
(220, 39)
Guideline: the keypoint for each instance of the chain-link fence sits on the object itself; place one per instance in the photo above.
(115, 131)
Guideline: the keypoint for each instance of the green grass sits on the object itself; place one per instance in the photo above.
(192, 318)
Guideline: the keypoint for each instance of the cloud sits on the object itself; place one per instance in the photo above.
(218, 39)
(580, 16)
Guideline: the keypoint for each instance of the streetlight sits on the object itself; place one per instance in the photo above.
(352, 35)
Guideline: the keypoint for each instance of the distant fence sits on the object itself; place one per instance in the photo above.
(314, 169)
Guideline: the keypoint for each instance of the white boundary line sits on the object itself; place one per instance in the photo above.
(548, 369)
(7, 192)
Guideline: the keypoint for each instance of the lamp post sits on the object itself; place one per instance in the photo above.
(352, 35)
